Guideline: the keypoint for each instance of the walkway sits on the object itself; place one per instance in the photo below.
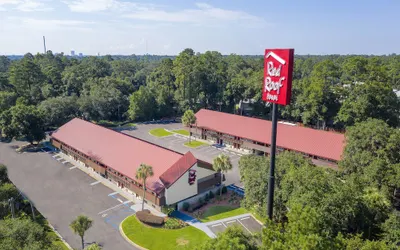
(194, 223)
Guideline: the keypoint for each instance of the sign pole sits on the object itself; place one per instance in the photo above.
(277, 88)
(271, 181)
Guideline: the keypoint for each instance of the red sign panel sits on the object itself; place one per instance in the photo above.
(278, 69)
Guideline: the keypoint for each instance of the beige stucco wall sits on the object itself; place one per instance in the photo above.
(181, 189)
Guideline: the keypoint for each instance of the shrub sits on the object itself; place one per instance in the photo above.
(224, 190)
(211, 195)
(201, 201)
(207, 197)
(168, 210)
(173, 223)
(146, 217)
(186, 206)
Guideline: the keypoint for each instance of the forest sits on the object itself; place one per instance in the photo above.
(355, 207)
(329, 92)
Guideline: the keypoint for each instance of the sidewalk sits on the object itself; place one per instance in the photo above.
(137, 203)
(194, 223)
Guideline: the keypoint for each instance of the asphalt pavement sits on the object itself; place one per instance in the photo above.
(175, 142)
(61, 192)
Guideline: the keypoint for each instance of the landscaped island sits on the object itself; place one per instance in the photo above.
(160, 238)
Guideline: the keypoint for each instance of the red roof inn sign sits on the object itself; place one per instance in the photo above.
(278, 68)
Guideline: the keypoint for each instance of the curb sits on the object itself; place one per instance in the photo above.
(126, 237)
(59, 236)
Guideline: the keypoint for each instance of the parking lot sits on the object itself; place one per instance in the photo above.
(61, 192)
(246, 222)
(175, 142)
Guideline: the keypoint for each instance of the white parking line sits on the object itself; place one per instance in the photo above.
(120, 200)
(94, 183)
(230, 221)
(244, 226)
(73, 167)
(113, 193)
(111, 208)
(245, 218)
(57, 155)
(216, 225)
(64, 162)
(223, 224)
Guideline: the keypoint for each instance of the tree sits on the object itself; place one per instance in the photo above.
(391, 228)
(370, 100)
(23, 121)
(22, 233)
(142, 105)
(142, 173)
(80, 225)
(188, 119)
(3, 174)
(222, 163)
(185, 81)
(59, 110)
(27, 78)
(7, 100)
(301, 232)
(373, 152)
(233, 238)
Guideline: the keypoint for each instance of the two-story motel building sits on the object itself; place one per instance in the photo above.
(254, 135)
(117, 156)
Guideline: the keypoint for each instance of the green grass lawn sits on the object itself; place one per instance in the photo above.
(159, 238)
(159, 132)
(182, 132)
(56, 242)
(194, 144)
(221, 212)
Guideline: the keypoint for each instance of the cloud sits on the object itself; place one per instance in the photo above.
(25, 5)
(48, 24)
(204, 13)
(30, 5)
(102, 5)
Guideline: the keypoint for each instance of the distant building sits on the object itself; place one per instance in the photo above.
(72, 52)
(80, 54)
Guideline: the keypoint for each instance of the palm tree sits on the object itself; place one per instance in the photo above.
(223, 164)
(80, 225)
(188, 119)
(142, 173)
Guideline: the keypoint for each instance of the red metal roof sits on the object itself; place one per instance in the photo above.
(320, 143)
(119, 151)
(178, 169)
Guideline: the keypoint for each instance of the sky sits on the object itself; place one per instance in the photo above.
(166, 27)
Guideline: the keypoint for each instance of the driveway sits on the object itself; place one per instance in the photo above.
(175, 142)
(61, 192)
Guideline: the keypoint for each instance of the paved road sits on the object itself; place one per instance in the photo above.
(61, 192)
(205, 153)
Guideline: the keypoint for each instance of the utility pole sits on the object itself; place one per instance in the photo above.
(44, 44)
(11, 202)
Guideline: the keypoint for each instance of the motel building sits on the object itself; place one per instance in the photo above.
(252, 135)
(117, 156)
